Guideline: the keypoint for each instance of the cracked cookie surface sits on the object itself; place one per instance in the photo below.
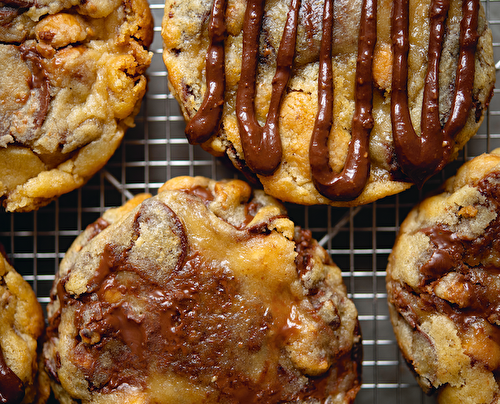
(443, 283)
(204, 293)
(71, 81)
(251, 89)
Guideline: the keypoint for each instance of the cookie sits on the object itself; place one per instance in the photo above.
(21, 325)
(204, 293)
(341, 118)
(71, 81)
(443, 284)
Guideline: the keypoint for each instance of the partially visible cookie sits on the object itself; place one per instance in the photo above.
(21, 325)
(71, 81)
(330, 102)
(204, 293)
(443, 284)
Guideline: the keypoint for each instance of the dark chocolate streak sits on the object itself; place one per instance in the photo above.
(39, 80)
(418, 156)
(11, 387)
(207, 120)
(350, 182)
(421, 156)
(262, 146)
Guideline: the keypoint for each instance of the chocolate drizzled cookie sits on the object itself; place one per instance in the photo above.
(333, 102)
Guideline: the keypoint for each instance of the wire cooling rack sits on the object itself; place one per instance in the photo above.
(359, 239)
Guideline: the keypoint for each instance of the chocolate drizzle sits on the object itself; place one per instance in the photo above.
(207, 120)
(350, 182)
(419, 156)
(11, 387)
(262, 146)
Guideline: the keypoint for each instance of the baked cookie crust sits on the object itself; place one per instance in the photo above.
(71, 81)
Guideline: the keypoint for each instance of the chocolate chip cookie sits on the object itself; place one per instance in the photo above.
(71, 81)
(443, 283)
(21, 325)
(206, 292)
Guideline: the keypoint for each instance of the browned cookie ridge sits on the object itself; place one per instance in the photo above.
(443, 283)
(204, 293)
(72, 76)
(339, 102)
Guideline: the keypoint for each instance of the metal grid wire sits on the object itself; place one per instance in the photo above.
(359, 239)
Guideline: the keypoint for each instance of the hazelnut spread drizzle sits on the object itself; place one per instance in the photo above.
(11, 387)
(418, 156)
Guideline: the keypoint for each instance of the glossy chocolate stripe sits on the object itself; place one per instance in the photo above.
(421, 156)
(348, 184)
(262, 146)
(430, 106)
(464, 84)
(207, 120)
(418, 156)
